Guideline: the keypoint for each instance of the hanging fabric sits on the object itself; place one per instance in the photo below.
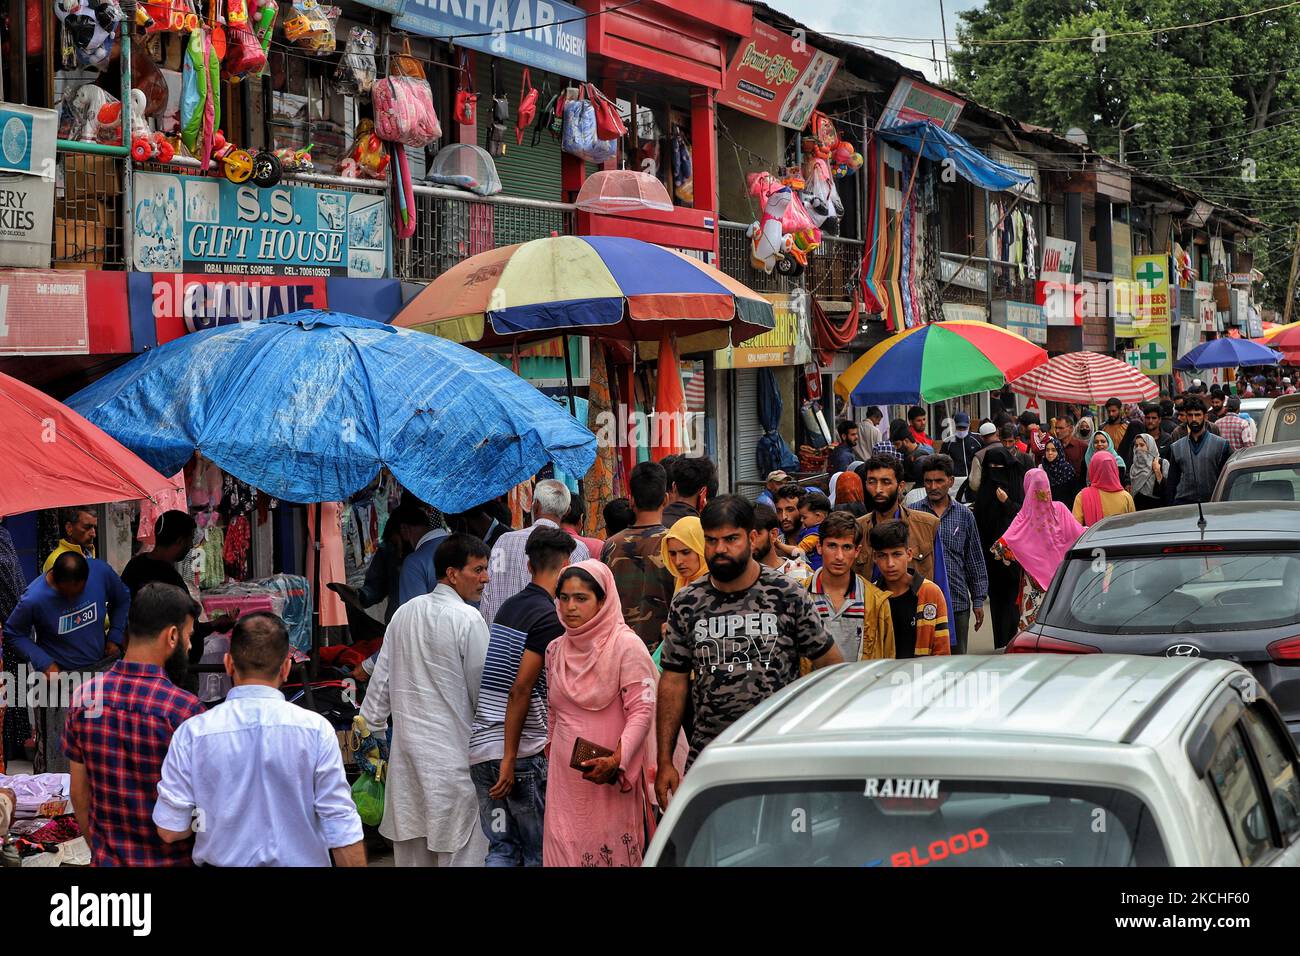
(598, 484)
(670, 401)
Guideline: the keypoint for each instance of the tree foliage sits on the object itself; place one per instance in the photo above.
(1219, 104)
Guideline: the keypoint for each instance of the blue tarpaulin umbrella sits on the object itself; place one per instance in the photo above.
(308, 407)
(1228, 353)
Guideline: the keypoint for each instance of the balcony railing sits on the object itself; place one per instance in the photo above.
(832, 267)
(452, 225)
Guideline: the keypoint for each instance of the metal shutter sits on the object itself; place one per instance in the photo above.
(527, 171)
(746, 429)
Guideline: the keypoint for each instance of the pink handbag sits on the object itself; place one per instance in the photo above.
(404, 111)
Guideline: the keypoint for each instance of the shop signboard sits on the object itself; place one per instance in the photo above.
(27, 174)
(1023, 318)
(1152, 314)
(964, 312)
(546, 35)
(777, 77)
(1205, 307)
(44, 313)
(969, 276)
(1123, 306)
(913, 101)
(1189, 336)
(207, 225)
(789, 343)
(1058, 260)
(1062, 303)
(1155, 354)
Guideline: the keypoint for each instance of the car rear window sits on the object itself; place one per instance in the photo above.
(1286, 424)
(1177, 593)
(932, 823)
(1268, 483)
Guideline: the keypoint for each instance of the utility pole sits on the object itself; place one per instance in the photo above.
(943, 22)
(1290, 282)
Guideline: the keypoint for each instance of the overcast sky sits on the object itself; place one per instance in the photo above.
(881, 18)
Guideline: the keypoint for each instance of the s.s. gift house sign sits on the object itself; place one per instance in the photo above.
(200, 224)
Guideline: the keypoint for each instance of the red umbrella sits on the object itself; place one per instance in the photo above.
(1088, 377)
(52, 457)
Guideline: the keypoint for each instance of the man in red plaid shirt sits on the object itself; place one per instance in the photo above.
(1238, 429)
(119, 727)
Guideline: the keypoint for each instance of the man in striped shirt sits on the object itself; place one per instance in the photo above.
(1236, 428)
(506, 743)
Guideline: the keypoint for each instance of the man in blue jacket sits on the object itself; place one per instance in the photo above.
(60, 624)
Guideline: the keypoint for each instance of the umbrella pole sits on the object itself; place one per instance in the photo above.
(568, 378)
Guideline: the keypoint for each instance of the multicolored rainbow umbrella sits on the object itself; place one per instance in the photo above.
(937, 361)
(585, 285)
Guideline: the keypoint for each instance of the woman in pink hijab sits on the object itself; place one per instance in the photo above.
(601, 687)
(1105, 494)
(1039, 538)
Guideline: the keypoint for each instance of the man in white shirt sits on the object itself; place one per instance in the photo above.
(259, 780)
(509, 564)
(427, 678)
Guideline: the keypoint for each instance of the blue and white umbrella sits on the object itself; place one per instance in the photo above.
(309, 406)
(1228, 353)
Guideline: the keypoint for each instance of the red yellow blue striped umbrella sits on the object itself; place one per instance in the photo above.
(937, 361)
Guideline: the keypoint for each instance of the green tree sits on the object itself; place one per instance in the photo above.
(1218, 104)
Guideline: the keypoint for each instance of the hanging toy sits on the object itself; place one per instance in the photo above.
(266, 13)
(784, 233)
(166, 16)
(146, 145)
(244, 55)
(91, 26)
(312, 27)
(368, 159)
(404, 207)
(844, 159)
(200, 96)
(819, 196)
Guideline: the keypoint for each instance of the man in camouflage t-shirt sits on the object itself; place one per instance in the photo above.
(635, 555)
(741, 629)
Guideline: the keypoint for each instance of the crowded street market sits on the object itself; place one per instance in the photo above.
(546, 434)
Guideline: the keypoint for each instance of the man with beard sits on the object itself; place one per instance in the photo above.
(963, 446)
(884, 496)
(963, 556)
(767, 532)
(59, 625)
(1195, 460)
(1075, 449)
(119, 727)
(787, 512)
(1155, 429)
(741, 628)
(1118, 428)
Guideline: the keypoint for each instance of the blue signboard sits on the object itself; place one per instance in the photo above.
(27, 140)
(538, 36)
(204, 224)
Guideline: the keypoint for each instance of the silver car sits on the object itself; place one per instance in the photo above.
(1026, 760)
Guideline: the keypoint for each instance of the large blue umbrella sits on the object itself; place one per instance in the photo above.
(1228, 353)
(308, 407)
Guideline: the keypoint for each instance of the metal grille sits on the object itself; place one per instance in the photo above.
(733, 259)
(833, 268)
(88, 213)
(450, 230)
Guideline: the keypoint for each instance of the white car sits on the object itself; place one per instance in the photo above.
(1023, 760)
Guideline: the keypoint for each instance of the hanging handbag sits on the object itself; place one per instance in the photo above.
(609, 124)
(466, 98)
(405, 63)
(580, 137)
(527, 106)
(496, 137)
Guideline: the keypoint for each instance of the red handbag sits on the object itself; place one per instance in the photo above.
(466, 98)
(609, 125)
(527, 107)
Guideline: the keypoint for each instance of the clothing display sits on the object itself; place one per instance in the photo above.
(151, 510)
(333, 612)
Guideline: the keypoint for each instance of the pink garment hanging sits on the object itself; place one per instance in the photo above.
(203, 480)
(151, 510)
(333, 613)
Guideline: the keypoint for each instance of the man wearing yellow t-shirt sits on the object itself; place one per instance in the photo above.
(80, 526)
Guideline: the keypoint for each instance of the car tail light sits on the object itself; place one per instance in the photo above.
(1285, 651)
(1028, 643)
(1191, 548)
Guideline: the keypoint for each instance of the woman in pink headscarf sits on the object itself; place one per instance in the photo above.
(601, 687)
(1038, 539)
(1105, 494)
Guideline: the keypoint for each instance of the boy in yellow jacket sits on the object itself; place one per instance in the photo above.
(916, 605)
(854, 613)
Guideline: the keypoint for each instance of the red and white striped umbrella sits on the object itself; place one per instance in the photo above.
(1088, 377)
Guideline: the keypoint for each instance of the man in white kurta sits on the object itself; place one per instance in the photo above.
(427, 679)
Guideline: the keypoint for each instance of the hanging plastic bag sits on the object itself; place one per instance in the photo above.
(404, 191)
(683, 182)
(90, 26)
(527, 106)
(368, 795)
(200, 96)
(580, 137)
(79, 115)
(357, 69)
(311, 26)
(466, 98)
(404, 111)
(244, 54)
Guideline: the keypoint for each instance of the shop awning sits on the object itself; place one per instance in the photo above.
(934, 142)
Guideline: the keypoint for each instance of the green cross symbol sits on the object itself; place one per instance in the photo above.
(1134, 359)
(1153, 355)
(1151, 275)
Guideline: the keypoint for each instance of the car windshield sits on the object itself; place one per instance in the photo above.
(1266, 483)
(1257, 414)
(914, 822)
(1177, 593)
